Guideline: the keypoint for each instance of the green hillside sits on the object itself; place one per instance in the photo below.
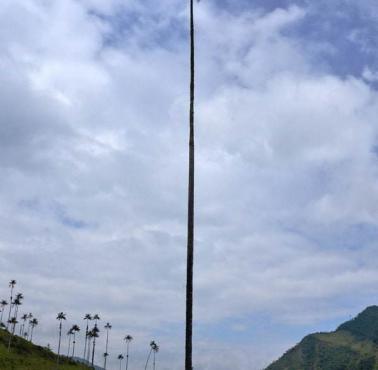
(26, 356)
(353, 346)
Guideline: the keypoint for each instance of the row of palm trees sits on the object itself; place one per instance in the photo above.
(29, 322)
(90, 342)
(11, 323)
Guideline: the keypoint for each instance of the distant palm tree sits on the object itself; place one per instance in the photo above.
(24, 318)
(120, 358)
(17, 302)
(75, 329)
(69, 334)
(12, 283)
(33, 324)
(95, 332)
(13, 322)
(87, 317)
(60, 317)
(30, 316)
(190, 232)
(153, 348)
(107, 328)
(90, 336)
(128, 340)
(96, 318)
(3, 304)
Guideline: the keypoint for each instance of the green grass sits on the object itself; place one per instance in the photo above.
(26, 356)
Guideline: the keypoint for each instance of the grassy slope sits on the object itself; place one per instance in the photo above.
(26, 356)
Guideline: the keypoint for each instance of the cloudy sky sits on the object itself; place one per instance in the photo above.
(93, 161)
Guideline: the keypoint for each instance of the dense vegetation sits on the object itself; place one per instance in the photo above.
(27, 356)
(353, 346)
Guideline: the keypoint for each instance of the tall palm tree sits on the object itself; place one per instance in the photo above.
(87, 317)
(60, 317)
(13, 322)
(69, 334)
(128, 340)
(24, 318)
(75, 329)
(190, 236)
(3, 304)
(155, 350)
(95, 332)
(120, 358)
(153, 347)
(12, 283)
(90, 336)
(17, 303)
(107, 328)
(33, 324)
(30, 316)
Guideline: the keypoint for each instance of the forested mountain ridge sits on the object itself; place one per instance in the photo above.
(352, 346)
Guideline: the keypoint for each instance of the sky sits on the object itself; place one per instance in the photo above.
(93, 161)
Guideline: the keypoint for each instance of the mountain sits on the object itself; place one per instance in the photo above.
(27, 356)
(352, 346)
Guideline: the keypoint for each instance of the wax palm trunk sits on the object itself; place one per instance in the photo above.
(106, 347)
(69, 345)
(148, 359)
(190, 241)
(86, 340)
(60, 338)
(10, 306)
(127, 355)
(73, 345)
(93, 350)
(13, 327)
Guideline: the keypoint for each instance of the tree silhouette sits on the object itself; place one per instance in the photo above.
(107, 328)
(153, 348)
(69, 334)
(30, 316)
(12, 283)
(128, 340)
(17, 303)
(120, 358)
(87, 317)
(24, 318)
(13, 322)
(190, 236)
(60, 317)
(94, 335)
(75, 329)
(33, 324)
(3, 304)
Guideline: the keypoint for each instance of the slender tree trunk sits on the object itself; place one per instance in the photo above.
(73, 346)
(106, 347)
(148, 359)
(11, 336)
(89, 349)
(154, 360)
(120, 364)
(127, 355)
(31, 334)
(10, 306)
(60, 337)
(2, 312)
(190, 241)
(93, 350)
(86, 339)
(69, 345)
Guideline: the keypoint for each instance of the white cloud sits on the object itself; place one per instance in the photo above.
(93, 157)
